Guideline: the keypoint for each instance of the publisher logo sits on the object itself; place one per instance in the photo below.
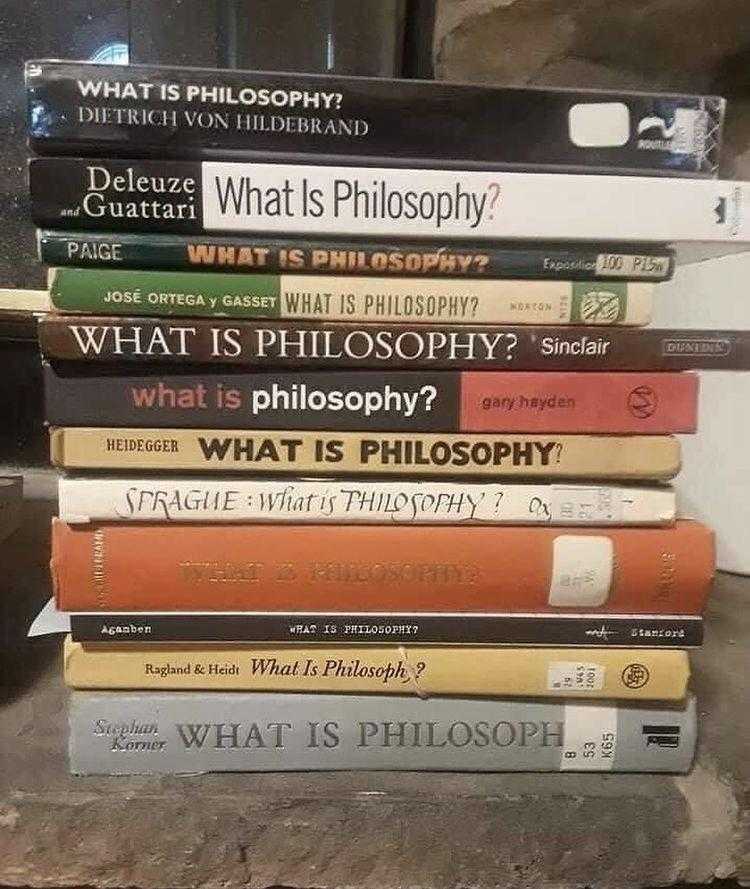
(728, 211)
(657, 123)
(597, 304)
(642, 402)
(603, 632)
(635, 676)
(662, 735)
(684, 132)
(694, 346)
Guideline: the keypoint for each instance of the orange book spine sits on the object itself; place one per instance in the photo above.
(116, 567)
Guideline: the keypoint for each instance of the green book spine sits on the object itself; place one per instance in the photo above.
(123, 291)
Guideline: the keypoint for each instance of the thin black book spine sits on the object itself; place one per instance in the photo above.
(657, 631)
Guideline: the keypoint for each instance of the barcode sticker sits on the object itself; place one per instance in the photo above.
(574, 676)
(589, 739)
(585, 504)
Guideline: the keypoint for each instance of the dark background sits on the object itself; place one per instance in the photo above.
(368, 37)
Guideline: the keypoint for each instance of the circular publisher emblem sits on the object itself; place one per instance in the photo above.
(600, 305)
(642, 402)
(635, 676)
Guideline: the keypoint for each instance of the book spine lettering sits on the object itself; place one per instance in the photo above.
(296, 452)
(262, 254)
(396, 346)
(450, 629)
(264, 567)
(122, 733)
(345, 298)
(166, 112)
(186, 198)
(163, 499)
(613, 673)
(450, 401)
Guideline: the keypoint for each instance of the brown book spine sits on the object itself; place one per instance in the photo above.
(290, 344)
(205, 567)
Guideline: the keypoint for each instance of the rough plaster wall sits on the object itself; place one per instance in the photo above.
(679, 45)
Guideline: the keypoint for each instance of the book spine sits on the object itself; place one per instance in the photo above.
(296, 452)
(193, 112)
(326, 256)
(22, 300)
(612, 673)
(394, 346)
(206, 499)
(186, 198)
(123, 733)
(439, 401)
(346, 298)
(214, 567)
(680, 631)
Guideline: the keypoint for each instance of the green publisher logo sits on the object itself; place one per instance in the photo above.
(597, 303)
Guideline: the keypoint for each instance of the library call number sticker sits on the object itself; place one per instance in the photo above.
(574, 676)
(590, 738)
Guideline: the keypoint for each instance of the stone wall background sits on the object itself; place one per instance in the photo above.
(697, 46)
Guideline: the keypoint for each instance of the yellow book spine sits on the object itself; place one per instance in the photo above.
(326, 453)
(625, 674)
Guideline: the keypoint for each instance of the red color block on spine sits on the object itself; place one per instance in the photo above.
(645, 403)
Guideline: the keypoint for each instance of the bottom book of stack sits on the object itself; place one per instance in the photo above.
(123, 733)
(177, 709)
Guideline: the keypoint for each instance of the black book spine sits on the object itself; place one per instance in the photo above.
(447, 259)
(72, 193)
(146, 111)
(508, 629)
(133, 340)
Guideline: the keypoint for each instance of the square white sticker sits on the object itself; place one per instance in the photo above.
(599, 124)
(582, 568)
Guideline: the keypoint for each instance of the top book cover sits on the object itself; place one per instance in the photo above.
(147, 111)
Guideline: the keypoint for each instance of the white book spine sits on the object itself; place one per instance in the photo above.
(337, 501)
(295, 198)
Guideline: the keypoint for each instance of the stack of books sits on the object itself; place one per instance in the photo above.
(378, 478)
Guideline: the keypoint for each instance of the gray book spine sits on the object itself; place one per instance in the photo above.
(187, 733)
